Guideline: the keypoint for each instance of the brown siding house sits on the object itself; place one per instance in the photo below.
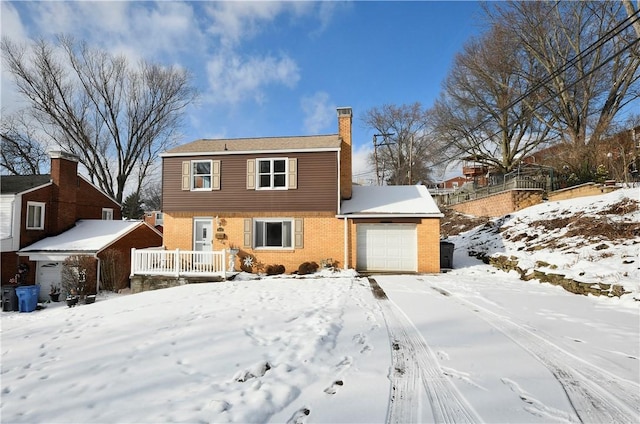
(289, 200)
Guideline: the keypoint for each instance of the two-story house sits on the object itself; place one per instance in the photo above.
(39, 212)
(289, 200)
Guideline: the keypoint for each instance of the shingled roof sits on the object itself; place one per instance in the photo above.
(262, 144)
(12, 184)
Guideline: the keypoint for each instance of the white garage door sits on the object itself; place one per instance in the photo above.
(387, 247)
(48, 273)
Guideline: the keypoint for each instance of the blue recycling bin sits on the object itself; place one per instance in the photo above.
(27, 298)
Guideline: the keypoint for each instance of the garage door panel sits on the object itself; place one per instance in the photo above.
(387, 247)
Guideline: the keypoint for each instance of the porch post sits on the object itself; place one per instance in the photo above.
(134, 265)
(176, 266)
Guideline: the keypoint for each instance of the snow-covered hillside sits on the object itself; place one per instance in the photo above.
(594, 240)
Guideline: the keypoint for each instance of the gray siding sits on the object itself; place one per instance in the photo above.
(317, 186)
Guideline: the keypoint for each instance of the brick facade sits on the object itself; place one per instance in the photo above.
(321, 232)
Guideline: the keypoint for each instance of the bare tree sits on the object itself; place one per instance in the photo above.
(590, 55)
(485, 111)
(115, 117)
(22, 152)
(632, 13)
(152, 195)
(403, 150)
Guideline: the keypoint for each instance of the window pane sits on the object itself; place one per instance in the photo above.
(259, 234)
(265, 181)
(265, 166)
(274, 234)
(34, 216)
(206, 181)
(279, 180)
(286, 234)
(30, 216)
(278, 166)
(202, 168)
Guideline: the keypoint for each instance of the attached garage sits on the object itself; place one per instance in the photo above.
(391, 229)
(387, 247)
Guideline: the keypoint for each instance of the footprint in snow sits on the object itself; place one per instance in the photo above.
(300, 416)
(333, 389)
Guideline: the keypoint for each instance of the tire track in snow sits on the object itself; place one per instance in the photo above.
(595, 394)
(413, 363)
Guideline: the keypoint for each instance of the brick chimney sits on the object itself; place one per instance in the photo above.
(64, 176)
(345, 118)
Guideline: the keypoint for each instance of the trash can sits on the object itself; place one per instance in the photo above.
(27, 298)
(446, 255)
(9, 299)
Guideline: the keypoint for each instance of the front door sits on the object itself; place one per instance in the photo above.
(202, 235)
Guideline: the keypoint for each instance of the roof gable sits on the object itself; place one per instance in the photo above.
(14, 184)
(89, 236)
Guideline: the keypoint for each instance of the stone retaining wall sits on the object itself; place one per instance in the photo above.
(140, 283)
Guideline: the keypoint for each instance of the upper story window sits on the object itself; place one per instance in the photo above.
(159, 217)
(107, 214)
(35, 216)
(272, 173)
(201, 175)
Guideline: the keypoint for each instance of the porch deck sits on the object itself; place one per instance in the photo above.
(178, 263)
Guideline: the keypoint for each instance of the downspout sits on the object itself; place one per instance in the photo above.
(346, 242)
(339, 186)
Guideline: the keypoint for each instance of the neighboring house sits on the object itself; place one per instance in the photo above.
(94, 238)
(154, 218)
(35, 207)
(288, 200)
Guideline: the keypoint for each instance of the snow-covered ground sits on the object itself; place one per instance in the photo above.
(471, 345)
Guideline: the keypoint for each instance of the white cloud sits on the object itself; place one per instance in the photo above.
(233, 21)
(233, 78)
(135, 29)
(363, 172)
(319, 112)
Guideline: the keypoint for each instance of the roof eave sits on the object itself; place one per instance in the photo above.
(248, 152)
(389, 215)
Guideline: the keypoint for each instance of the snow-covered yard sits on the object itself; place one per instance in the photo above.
(471, 345)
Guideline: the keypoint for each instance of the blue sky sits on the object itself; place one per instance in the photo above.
(271, 69)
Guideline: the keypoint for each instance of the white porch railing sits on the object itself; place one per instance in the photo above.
(178, 263)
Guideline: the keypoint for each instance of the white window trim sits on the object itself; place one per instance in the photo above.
(259, 221)
(109, 212)
(40, 205)
(285, 173)
(194, 175)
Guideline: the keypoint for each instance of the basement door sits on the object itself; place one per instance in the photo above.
(387, 247)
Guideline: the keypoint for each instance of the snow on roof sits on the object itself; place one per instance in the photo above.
(89, 235)
(413, 200)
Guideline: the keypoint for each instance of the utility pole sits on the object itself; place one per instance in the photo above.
(375, 151)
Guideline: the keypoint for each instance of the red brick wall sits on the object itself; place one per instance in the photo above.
(141, 237)
(90, 202)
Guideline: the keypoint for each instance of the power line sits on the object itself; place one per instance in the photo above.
(581, 55)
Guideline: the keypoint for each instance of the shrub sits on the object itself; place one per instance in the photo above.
(307, 268)
(113, 274)
(79, 275)
(274, 269)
